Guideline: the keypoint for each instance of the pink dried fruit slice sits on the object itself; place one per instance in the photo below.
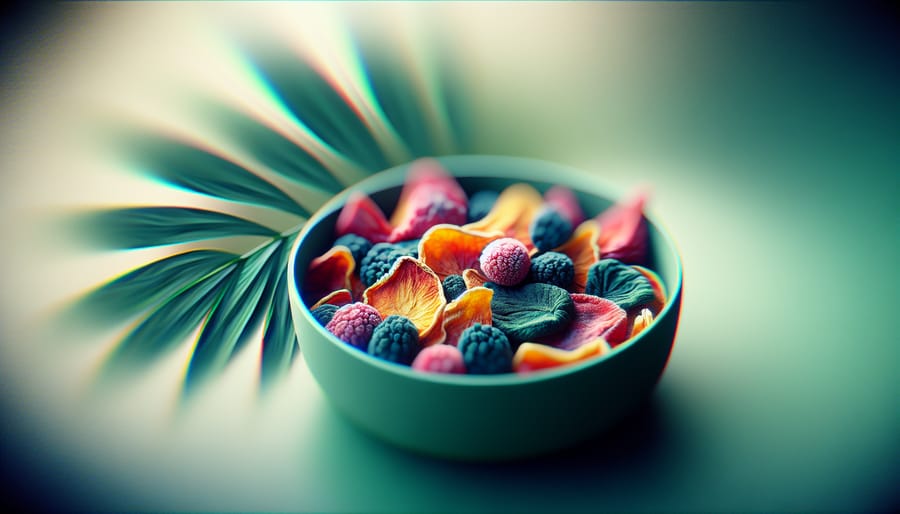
(430, 196)
(623, 234)
(328, 273)
(594, 318)
(412, 290)
(361, 216)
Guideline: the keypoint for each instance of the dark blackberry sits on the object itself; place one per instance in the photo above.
(480, 204)
(454, 285)
(396, 339)
(358, 245)
(324, 313)
(378, 262)
(549, 229)
(485, 350)
(552, 268)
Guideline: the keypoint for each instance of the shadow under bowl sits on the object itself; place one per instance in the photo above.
(485, 417)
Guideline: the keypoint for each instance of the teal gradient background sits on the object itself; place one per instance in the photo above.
(769, 133)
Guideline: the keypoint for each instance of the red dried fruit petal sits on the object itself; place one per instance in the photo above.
(328, 273)
(430, 196)
(473, 278)
(623, 230)
(595, 317)
(450, 250)
(535, 357)
(566, 203)
(339, 298)
(361, 216)
(412, 290)
(473, 306)
(582, 248)
(512, 213)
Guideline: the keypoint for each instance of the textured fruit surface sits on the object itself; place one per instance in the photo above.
(485, 350)
(440, 358)
(396, 339)
(505, 261)
(354, 324)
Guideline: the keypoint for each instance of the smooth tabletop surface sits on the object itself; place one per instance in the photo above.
(768, 133)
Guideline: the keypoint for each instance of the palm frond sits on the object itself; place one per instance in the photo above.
(195, 169)
(170, 322)
(232, 315)
(142, 227)
(279, 340)
(150, 284)
(222, 296)
(272, 149)
(315, 103)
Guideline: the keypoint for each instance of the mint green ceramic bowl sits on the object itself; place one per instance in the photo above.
(485, 417)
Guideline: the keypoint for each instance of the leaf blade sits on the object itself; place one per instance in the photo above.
(190, 167)
(151, 283)
(142, 227)
(169, 324)
(274, 150)
(230, 316)
(317, 105)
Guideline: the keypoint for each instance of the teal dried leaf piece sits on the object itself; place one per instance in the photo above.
(595, 318)
(530, 311)
(140, 227)
(619, 283)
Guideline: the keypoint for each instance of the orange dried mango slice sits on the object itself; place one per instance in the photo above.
(450, 250)
(512, 213)
(339, 298)
(474, 278)
(641, 322)
(584, 251)
(412, 290)
(531, 357)
(328, 273)
(473, 306)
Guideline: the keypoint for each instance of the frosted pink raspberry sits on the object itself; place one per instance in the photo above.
(505, 261)
(440, 358)
(354, 324)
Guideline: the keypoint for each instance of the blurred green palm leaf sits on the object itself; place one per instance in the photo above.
(226, 298)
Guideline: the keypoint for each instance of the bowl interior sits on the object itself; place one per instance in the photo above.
(475, 173)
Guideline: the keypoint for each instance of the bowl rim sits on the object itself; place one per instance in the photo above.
(479, 161)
